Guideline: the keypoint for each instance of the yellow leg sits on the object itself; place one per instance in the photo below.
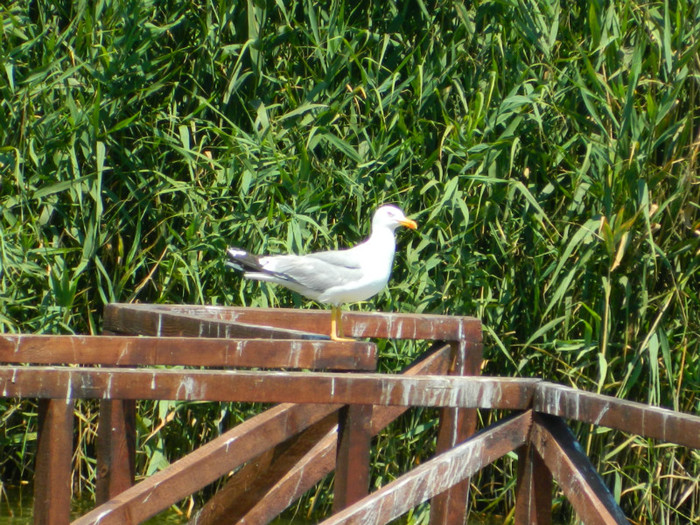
(337, 326)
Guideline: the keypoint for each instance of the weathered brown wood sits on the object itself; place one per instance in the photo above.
(438, 474)
(352, 458)
(456, 425)
(355, 324)
(116, 447)
(190, 351)
(52, 482)
(275, 491)
(266, 387)
(140, 319)
(206, 464)
(628, 416)
(533, 490)
(315, 465)
(576, 476)
(252, 483)
(436, 361)
(230, 502)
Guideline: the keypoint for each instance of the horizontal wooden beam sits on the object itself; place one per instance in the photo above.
(438, 474)
(157, 320)
(187, 351)
(205, 465)
(266, 387)
(573, 471)
(161, 319)
(628, 416)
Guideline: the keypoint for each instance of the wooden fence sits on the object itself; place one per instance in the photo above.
(324, 421)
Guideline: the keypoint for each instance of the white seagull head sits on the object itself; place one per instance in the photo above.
(391, 217)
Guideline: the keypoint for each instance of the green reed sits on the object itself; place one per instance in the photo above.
(549, 152)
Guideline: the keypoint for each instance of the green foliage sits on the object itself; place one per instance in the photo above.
(547, 150)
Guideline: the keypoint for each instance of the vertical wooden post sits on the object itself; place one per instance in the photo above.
(352, 460)
(456, 425)
(52, 477)
(533, 491)
(116, 435)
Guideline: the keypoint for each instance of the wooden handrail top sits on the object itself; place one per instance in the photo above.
(357, 388)
(210, 320)
(62, 382)
(628, 416)
(187, 351)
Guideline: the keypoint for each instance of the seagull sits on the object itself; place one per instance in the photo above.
(332, 277)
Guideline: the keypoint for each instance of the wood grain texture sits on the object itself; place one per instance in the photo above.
(275, 486)
(116, 448)
(218, 321)
(533, 489)
(628, 416)
(353, 455)
(257, 481)
(161, 321)
(438, 474)
(52, 481)
(187, 351)
(456, 425)
(266, 387)
(206, 464)
(574, 473)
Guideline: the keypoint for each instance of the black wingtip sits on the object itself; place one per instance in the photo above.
(242, 261)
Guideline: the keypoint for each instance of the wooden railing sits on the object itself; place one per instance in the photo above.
(324, 422)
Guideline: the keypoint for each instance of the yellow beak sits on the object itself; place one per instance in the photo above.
(409, 224)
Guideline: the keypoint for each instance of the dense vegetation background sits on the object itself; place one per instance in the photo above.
(548, 151)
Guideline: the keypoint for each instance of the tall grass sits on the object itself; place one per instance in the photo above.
(549, 152)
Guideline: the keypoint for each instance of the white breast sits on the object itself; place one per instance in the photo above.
(376, 258)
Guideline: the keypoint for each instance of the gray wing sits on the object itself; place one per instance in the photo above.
(318, 271)
(340, 258)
